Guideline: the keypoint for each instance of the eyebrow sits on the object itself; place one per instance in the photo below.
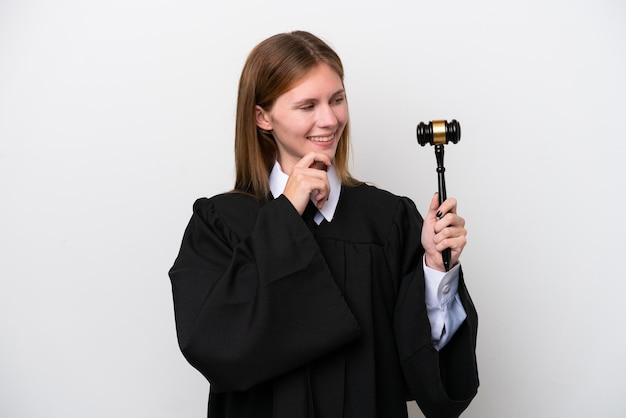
(303, 101)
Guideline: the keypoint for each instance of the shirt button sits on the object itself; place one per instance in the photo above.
(445, 289)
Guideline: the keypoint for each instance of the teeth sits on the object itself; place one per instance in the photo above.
(321, 138)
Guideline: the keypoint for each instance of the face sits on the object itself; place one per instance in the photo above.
(309, 117)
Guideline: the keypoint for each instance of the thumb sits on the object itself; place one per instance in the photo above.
(434, 205)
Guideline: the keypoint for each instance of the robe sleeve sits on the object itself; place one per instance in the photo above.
(250, 308)
(443, 383)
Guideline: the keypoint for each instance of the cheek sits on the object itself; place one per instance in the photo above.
(342, 115)
(302, 126)
(292, 131)
(284, 125)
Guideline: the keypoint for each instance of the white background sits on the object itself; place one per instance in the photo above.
(115, 115)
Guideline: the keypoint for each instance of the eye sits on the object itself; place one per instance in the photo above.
(338, 99)
(308, 106)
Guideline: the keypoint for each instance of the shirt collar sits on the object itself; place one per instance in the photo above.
(278, 181)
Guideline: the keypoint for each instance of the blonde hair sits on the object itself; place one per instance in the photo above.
(271, 69)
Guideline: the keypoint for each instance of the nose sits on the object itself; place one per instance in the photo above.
(326, 117)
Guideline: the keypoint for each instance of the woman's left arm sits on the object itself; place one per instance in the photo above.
(442, 382)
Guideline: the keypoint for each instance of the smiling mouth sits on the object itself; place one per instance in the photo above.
(322, 138)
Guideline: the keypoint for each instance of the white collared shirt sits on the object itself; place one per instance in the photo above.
(445, 311)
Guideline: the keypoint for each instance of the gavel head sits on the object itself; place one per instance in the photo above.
(438, 132)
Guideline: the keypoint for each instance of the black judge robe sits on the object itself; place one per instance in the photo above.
(290, 321)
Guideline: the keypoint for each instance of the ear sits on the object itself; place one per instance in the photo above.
(262, 119)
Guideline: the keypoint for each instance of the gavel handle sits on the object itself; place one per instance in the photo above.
(445, 254)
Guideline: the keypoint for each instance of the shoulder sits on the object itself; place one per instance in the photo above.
(236, 211)
(227, 202)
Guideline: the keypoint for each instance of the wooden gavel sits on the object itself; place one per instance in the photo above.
(439, 133)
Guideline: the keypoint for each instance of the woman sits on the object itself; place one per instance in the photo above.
(306, 293)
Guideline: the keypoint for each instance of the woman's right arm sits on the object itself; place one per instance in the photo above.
(250, 308)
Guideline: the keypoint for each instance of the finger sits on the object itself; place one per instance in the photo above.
(452, 222)
(449, 233)
(313, 158)
(434, 206)
(319, 165)
(456, 244)
(447, 206)
(449, 220)
(321, 195)
(311, 179)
